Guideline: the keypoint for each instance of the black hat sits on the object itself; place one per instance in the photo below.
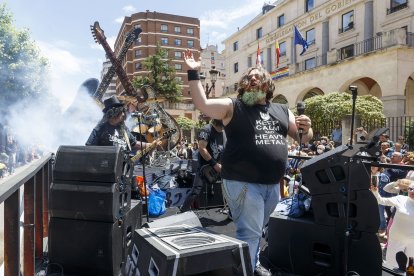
(111, 102)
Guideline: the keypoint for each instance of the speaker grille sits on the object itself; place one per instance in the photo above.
(173, 230)
(182, 242)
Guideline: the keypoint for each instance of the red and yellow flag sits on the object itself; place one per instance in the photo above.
(277, 54)
(258, 57)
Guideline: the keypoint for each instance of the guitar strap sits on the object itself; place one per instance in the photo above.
(127, 140)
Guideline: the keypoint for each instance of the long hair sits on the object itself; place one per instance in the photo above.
(266, 83)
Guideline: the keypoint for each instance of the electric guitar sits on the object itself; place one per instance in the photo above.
(208, 172)
(100, 38)
(141, 153)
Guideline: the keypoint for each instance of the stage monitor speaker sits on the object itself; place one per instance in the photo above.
(302, 247)
(86, 247)
(185, 250)
(331, 209)
(188, 218)
(91, 164)
(89, 200)
(212, 197)
(332, 172)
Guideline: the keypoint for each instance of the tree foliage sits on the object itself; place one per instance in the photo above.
(22, 69)
(336, 105)
(161, 76)
(186, 123)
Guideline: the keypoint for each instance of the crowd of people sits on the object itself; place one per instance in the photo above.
(14, 154)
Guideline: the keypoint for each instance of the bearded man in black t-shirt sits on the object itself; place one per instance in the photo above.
(255, 157)
(210, 148)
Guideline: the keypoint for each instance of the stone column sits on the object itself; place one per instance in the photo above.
(269, 59)
(325, 41)
(369, 19)
(292, 67)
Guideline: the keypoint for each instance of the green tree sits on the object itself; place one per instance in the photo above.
(161, 76)
(186, 123)
(336, 105)
(22, 69)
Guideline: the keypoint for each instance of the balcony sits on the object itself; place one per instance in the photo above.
(397, 8)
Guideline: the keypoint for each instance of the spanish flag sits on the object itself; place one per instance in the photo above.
(277, 54)
(258, 57)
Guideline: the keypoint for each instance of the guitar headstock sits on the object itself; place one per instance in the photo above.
(133, 34)
(98, 33)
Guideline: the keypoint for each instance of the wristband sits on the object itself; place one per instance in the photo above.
(193, 75)
(212, 162)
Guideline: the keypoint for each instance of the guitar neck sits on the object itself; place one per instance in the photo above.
(141, 153)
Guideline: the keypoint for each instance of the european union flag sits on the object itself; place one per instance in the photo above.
(300, 40)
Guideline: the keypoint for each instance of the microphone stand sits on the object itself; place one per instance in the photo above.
(348, 228)
(143, 166)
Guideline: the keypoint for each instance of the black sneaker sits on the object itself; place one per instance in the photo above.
(261, 271)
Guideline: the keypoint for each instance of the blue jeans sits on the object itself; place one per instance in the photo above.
(251, 205)
(383, 221)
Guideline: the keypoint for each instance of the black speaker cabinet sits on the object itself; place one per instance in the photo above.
(98, 201)
(332, 172)
(131, 221)
(185, 250)
(302, 247)
(211, 196)
(91, 164)
(331, 209)
(86, 247)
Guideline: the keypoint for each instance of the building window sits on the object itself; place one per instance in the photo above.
(236, 67)
(138, 66)
(177, 29)
(347, 21)
(281, 21)
(190, 43)
(397, 5)
(282, 47)
(138, 41)
(178, 67)
(309, 5)
(249, 62)
(310, 63)
(177, 55)
(177, 42)
(190, 31)
(179, 79)
(138, 53)
(164, 28)
(235, 46)
(137, 26)
(310, 37)
(347, 51)
(164, 40)
(259, 33)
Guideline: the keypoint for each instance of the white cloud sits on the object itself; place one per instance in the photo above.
(119, 20)
(129, 9)
(224, 18)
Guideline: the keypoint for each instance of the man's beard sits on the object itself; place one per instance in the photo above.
(253, 97)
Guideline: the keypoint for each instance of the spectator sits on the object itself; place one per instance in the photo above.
(404, 146)
(401, 233)
(337, 135)
(381, 180)
(360, 134)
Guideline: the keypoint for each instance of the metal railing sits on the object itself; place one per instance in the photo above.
(35, 179)
(311, 63)
(360, 48)
(397, 8)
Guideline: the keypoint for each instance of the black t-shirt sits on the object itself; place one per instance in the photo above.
(105, 134)
(215, 143)
(256, 148)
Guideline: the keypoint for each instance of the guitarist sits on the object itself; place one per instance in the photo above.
(210, 146)
(112, 131)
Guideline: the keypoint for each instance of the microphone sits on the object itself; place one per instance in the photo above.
(136, 114)
(151, 116)
(300, 107)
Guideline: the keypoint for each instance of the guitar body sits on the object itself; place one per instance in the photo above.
(209, 173)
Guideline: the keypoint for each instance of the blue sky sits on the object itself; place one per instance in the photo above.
(61, 29)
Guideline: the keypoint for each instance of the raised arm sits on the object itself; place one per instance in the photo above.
(215, 108)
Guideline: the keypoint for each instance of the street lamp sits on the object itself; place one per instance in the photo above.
(213, 77)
